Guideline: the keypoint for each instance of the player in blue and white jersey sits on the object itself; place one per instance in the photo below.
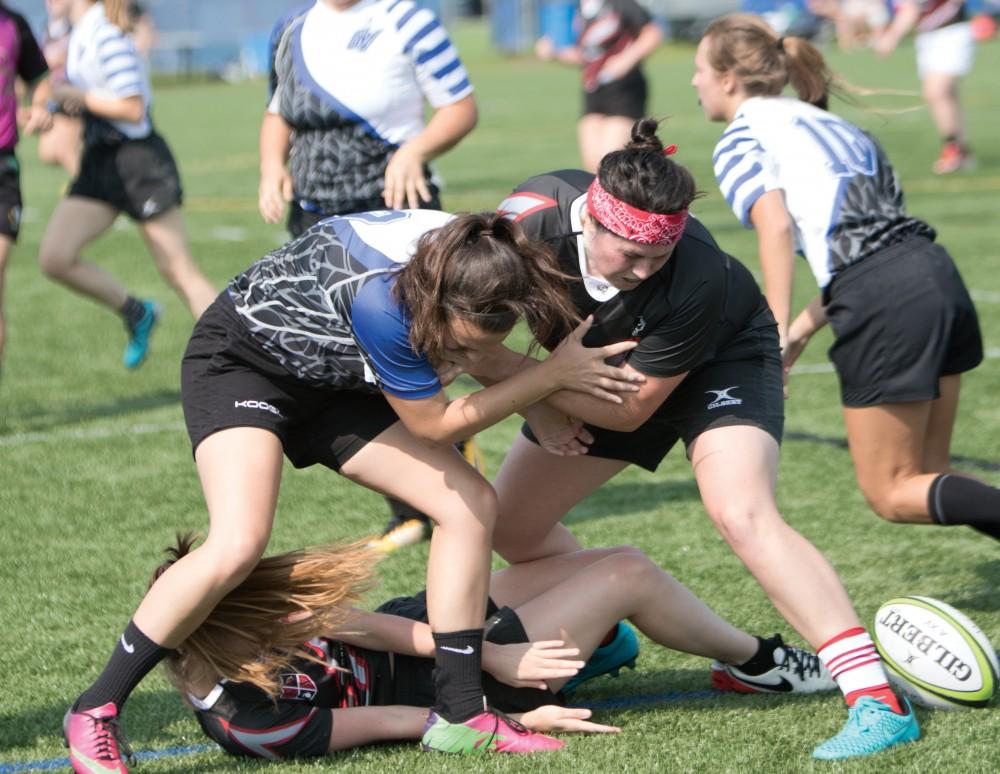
(331, 145)
(126, 167)
(334, 350)
(344, 129)
(905, 327)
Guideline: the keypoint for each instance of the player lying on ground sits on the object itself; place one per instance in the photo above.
(369, 677)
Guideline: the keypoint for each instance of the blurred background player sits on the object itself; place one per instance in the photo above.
(126, 167)
(708, 349)
(332, 350)
(905, 327)
(331, 145)
(21, 59)
(372, 672)
(945, 49)
(62, 143)
(614, 38)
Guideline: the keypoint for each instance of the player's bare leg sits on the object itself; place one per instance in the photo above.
(167, 242)
(536, 490)
(736, 471)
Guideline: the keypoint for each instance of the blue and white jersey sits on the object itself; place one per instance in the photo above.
(840, 189)
(323, 304)
(353, 84)
(102, 59)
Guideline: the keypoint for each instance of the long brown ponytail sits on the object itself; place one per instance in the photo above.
(117, 13)
(482, 268)
(765, 63)
(259, 627)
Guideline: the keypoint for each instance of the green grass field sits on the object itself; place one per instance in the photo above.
(96, 473)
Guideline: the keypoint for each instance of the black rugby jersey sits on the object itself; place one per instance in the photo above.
(702, 306)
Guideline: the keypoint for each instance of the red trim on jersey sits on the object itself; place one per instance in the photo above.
(516, 214)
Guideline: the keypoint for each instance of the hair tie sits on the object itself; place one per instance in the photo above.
(780, 45)
(670, 150)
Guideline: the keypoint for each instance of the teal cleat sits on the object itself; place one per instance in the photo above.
(138, 336)
(608, 659)
(871, 727)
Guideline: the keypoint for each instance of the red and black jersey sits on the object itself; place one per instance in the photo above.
(607, 27)
(935, 14)
(702, 306)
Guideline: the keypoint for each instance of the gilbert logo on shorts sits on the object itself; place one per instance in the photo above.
(256, 404)
(723, 398)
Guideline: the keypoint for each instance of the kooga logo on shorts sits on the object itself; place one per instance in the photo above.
(256, 404)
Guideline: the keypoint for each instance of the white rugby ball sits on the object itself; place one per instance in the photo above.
(934, 654)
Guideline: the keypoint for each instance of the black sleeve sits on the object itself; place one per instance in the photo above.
(633, 15)
(31, 65)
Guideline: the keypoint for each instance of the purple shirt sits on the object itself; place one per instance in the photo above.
(21, 57)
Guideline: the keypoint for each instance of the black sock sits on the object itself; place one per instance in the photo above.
(458, 674)
(134, 656)
(954, 499)
(402, 512)
(763, 660)
(133, 311)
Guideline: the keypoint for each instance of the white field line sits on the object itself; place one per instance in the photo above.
(89, 433)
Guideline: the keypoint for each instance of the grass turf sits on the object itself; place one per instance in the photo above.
(97, 474)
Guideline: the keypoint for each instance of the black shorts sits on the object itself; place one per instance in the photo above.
(289, 729)
(902, 319)
(228, 380)
(720, 394)
(413, 678)
(10, 196)
(625, 97)
(137, 177)
(300, 219)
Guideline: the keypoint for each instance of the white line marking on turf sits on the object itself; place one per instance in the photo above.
(89, 433)
(229, 233)
(985, 296)
(117, 431)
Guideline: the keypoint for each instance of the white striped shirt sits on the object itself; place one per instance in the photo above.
(377, 61)
(102, 59)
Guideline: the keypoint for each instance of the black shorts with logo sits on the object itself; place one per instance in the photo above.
(10, 196)
(413, 678)
(902, 319)
(625, 97)
(723, 393)
(227, 380)
(137, 177)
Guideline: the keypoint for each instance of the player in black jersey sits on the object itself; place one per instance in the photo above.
(708, 347)
(360, 677)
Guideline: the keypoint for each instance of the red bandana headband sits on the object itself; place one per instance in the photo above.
(631, 223)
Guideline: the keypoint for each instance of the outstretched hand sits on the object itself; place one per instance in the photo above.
(553, 718)
(530, 664)
(584, 369)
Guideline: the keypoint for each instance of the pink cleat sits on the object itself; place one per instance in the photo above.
(489, 731)
(96, 741)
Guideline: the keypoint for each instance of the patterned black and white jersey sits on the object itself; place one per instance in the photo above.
(353, 84)
(323, 304)
(840, 189)
(702, 306)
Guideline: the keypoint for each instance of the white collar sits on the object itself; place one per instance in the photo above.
(597, 288)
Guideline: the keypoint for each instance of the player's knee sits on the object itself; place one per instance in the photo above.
(885, 505)
(476, 509)
(53, 260)
(232, 559)
(629, 569)
(742, 525)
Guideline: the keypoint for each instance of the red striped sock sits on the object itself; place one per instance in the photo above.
(855, 665)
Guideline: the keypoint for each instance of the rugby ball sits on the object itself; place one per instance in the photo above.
(934, 654)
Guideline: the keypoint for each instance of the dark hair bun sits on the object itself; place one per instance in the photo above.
(644, 136)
